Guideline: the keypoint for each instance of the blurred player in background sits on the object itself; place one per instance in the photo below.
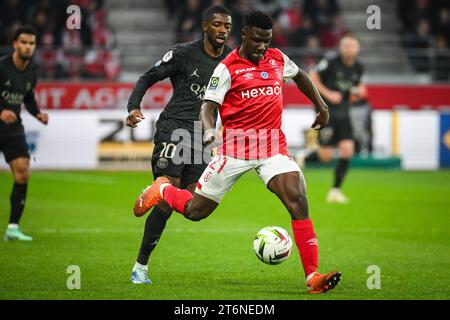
(17, 82)
(339, 82)
(189, 67)
(246, 87)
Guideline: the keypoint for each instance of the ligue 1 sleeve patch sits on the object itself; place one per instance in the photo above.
(213, 83)
(323, 64)
(167, 56)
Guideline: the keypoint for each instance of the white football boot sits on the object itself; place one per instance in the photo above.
(336, 196)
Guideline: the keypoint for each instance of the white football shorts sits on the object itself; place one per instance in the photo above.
(224, 171)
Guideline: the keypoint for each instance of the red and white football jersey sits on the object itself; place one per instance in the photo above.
(251, 103)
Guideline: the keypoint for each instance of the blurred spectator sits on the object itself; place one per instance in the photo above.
(62, 52)
(330, 37)
(411, 11)
(270, 7)
(442, 59)
(49, 59)
(420, 40)
(279, 37)
(426, 34)
(41, 22)
(443, 24)
(321, 12)
(189, 21)
(102, 61)
(313, 53)
(289, 21)
(238, 12)
(12, 12)
(300, 36)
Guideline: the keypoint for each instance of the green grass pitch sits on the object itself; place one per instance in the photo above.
(398, 221)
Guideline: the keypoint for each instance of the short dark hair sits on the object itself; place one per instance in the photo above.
(349, 35)
(209, 13)
(23, 29)
(258, 19)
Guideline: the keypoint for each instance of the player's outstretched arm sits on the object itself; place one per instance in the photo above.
(207, 112)
(168, 66)
(305, 84)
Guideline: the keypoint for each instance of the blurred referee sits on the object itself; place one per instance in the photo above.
(17, 82)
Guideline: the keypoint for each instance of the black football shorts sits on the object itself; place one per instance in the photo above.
(336, 131)
(163, 163)
(13, 147)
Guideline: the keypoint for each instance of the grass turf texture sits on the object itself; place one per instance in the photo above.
(397, 220)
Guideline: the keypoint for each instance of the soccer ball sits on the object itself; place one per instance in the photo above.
(272, 245)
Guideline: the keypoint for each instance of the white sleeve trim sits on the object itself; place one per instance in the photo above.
(219, 84)
(290, 69)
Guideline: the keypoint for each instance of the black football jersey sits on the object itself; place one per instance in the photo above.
(189, 68)
(336, 76)
(16, 87)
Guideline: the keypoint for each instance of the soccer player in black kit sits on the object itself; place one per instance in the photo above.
(339, 81)
(17, 82)
(189, 67)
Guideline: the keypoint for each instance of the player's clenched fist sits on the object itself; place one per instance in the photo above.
(211, 136)
(321, 119)
(8, 116)
(134, 117)
(42, 117)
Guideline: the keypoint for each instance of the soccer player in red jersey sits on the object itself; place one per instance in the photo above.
(246, 88)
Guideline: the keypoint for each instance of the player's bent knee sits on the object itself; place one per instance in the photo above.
(21, 176)
(326, 156)
(197, 213)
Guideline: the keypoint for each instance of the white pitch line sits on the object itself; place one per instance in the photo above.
(81, 178)
(137, 230)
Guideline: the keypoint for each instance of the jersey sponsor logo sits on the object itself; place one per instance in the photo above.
(244, 70)
(213, 83)
(248, 76)
(262, 91)
(14, 98)
(167, 56)
(198, 90)
(195, 73)
(264, 75)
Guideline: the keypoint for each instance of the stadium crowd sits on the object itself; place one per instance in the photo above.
(425, 26)
(87, 52)
(308, 24)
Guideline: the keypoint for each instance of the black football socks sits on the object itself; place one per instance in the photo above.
(154, 227)
(17, 201)
(340, 172)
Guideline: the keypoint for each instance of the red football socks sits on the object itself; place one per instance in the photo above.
(307, 244)
(176, 198)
